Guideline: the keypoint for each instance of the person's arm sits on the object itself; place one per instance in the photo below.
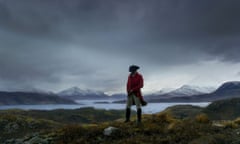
(128, 85)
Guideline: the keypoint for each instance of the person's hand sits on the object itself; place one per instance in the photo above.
(130, 92)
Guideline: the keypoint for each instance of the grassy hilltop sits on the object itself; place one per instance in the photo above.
(176, 125)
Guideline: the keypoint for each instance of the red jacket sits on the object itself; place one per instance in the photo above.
(134, 84)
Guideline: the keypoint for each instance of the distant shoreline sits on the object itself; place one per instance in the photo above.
(149, 109)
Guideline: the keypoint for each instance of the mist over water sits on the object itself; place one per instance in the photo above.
(149, 109)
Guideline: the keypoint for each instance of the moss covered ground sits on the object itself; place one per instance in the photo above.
(176, 125)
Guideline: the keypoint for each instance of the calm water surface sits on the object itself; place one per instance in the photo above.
(150, 108)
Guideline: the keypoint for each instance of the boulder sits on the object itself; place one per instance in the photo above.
(109, 131)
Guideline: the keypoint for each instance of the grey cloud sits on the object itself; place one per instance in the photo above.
(45, 40)
(154, 20)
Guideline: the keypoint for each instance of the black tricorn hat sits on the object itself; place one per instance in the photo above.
(133, 68)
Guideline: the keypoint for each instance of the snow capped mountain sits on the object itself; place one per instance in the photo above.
(188, 93)
(187, 90)
(184, 91)
(76, 93)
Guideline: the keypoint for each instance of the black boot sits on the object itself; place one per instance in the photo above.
(128, 113)
(139, 116)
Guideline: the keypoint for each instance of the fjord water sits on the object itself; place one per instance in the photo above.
(149, 109)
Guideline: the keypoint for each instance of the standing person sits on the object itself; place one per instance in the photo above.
(134, 85)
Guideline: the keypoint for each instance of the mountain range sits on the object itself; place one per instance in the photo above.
(185, 90)
(31, 98)
(226, 90)
(76, 93)
(186, 93)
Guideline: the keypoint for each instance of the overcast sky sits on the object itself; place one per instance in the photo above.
(56, 44)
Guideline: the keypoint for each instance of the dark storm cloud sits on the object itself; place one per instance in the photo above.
(45, 40)
(155, 20)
